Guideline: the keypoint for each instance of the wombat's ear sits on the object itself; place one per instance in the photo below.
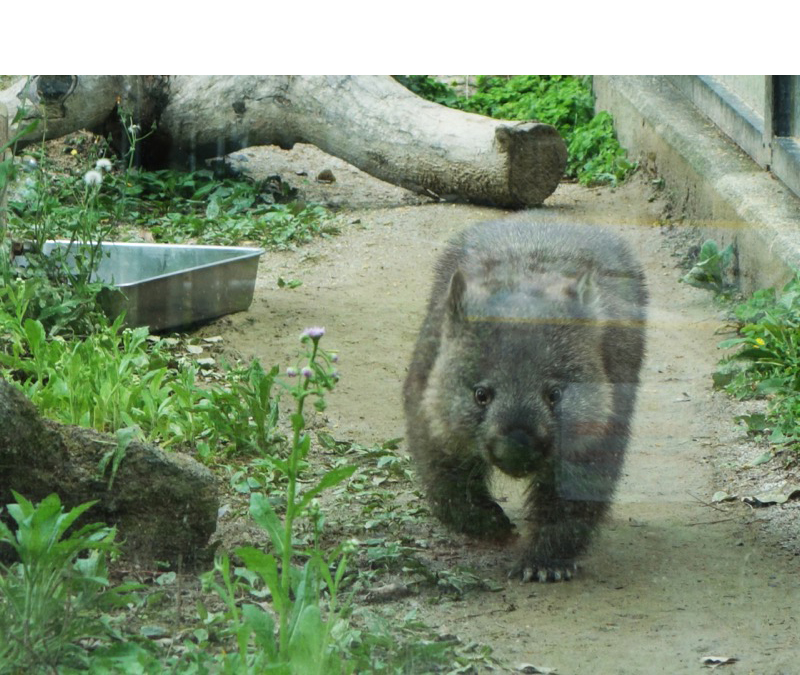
(455, 296)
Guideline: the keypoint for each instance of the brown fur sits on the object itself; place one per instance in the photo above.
(528, 361)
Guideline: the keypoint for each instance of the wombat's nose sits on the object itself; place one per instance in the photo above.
(517, 452)
(519, 440)
(530, 436)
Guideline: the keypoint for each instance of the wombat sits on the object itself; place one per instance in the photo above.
(528, 361)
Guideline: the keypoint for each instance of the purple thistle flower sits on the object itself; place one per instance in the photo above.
(315, 332)
(307, 373)
(291, 372)
(334, 358)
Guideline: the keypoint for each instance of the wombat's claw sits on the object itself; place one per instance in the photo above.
(563, 571)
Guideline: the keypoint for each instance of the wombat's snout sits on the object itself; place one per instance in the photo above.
(518, 452)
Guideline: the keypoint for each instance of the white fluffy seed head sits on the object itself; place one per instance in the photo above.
(92, 177)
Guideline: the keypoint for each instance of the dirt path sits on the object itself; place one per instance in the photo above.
(670, 579)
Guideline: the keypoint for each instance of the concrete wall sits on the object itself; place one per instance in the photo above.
(716, 186)
(744, 124)
(751, 89)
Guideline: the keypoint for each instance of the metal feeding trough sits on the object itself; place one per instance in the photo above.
(171, 285)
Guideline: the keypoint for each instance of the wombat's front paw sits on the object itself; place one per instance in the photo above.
(484, 518)
(488, 520)
(551, 570)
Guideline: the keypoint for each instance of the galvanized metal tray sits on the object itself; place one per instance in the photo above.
(171, 285)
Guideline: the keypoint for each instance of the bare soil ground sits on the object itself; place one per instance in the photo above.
(671, 578)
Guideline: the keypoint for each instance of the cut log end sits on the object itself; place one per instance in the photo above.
(537, 157)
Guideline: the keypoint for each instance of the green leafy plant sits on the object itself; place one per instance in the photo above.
(711, 268)
(294, 588)
(241, 415)
(8, 171)
(61, 308)
(93, 382)
(406, 644)
(55, 594)
(279, 226)
(430, 89)
(119, 378)
(86, 207)
(766, 362)
(594, 154)
(174, 206)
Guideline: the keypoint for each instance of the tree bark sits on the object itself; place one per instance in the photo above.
(164, 505)
(372, 122)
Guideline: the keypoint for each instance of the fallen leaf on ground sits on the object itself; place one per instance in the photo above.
(716, 661)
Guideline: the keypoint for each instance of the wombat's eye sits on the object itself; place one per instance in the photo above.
(554, 395)
(483, 396)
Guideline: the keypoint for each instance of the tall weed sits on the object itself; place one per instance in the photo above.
(304, 611)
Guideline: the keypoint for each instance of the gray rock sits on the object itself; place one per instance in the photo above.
(164, 504)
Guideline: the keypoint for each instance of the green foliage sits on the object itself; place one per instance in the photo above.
(711, 268)
(174, 206)
(55, 594)
(8, 169)
(406, 645)
(282, 610)
(241, 415)
(61, 295)
(430, 89)
(94, 382)
(595, 156)
(58, 346)
(41, 292)
(566, 102)
(767, 361)
(307, 631)
(121, 377)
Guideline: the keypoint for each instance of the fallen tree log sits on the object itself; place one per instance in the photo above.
(164, 504)
(372, 122)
